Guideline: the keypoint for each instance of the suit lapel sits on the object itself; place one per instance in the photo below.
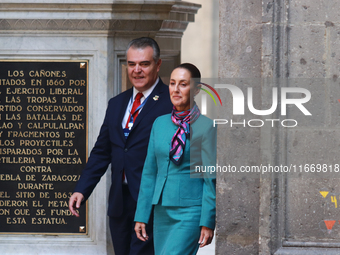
(124, 105)
(153, 99)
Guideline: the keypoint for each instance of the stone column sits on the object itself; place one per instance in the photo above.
(238, 198)
(96, 31)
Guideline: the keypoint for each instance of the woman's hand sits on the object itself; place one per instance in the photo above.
(141, 232)
(206, 237)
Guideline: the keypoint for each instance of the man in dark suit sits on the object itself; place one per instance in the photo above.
(123, 141)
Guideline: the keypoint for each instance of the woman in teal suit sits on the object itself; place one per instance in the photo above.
(182, 198)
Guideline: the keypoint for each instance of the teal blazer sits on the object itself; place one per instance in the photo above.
(167, 184)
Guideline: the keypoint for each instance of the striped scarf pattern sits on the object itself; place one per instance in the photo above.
(182, 120)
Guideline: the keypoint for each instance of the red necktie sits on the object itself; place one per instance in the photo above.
(134, 114)
(135, 105)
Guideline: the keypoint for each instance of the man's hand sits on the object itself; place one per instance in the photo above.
(206, 237)
(141, 232)
(74, 203)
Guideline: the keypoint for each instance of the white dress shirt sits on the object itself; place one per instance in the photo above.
(146, 93)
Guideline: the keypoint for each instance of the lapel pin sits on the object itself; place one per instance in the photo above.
(155, 98)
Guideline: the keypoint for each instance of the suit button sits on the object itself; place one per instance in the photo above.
(126, 149)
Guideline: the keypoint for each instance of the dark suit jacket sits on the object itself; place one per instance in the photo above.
(123, 154)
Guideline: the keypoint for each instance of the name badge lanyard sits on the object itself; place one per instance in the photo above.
(130, 125)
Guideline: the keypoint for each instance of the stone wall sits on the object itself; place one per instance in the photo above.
(285, 44)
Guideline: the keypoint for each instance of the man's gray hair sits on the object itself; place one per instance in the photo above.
(142, 43)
